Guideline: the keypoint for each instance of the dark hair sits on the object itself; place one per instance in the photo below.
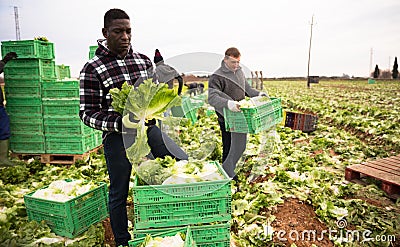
(114, 14)
(232, 52)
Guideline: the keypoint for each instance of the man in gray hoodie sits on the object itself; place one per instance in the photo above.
(226, 87)
(166, 73)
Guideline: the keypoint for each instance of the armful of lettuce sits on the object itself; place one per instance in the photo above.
(146, 102)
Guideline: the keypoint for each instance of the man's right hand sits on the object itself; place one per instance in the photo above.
(9, 56)
(233, 106)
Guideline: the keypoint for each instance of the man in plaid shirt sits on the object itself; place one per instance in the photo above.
(114, 63)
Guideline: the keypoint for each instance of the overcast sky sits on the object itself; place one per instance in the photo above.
(273, 36)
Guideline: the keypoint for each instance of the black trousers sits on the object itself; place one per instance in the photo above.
(162, 145)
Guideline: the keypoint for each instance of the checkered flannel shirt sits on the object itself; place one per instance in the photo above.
(102, 73)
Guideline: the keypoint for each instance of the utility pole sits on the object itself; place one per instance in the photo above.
(370, 62)
(17, 31)
(309, 54)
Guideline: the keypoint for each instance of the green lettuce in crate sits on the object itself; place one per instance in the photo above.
(146, 102)
(176, 241)
(248, 102)
(169, 171)
(62, 191)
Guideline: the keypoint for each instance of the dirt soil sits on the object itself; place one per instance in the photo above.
(294, 216)
(108, 235)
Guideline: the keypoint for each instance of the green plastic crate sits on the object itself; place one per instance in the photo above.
(65, 125)
(29, 49)
(61, 89)
(34, 119)
(73, 217)
(24, 101)
(197, 103)
(29, 143)
(68, 144)
(60, 107)
(24, 106)
(34, 126)
(27, 147)
(189, 242)
(23, 110)
(272, 105)
(27, 125)
(182, 204)
(185, 110)
(30, 69)
(22, 91)
(63, 71)
(92, 51)
(210, 112)
(98, 138)
(23, 83)
(254, 120)
(215, 235)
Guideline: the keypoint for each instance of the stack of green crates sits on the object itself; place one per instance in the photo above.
(64, 131)
(62, 72)
(24, 78)
(204, 206)
(44, 111)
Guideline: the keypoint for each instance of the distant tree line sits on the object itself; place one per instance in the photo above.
(387, 74)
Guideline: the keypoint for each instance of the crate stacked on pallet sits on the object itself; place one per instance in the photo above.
(65, 133)
(205, 206)
(92, 51)
(43, 111)
(62, 72)
(24, 78)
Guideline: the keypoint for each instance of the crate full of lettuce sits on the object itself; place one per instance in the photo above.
(175, 193)
(256, 114)
(68, 207)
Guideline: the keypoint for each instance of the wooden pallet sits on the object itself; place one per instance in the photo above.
(386, 170)
(62, 159)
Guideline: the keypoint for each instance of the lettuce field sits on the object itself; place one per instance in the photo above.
(291, 188)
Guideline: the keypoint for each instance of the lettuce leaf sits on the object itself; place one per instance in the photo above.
(119, 97)
(146, 102)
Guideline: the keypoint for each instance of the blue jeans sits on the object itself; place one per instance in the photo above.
(4, 124)
(119, 172)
